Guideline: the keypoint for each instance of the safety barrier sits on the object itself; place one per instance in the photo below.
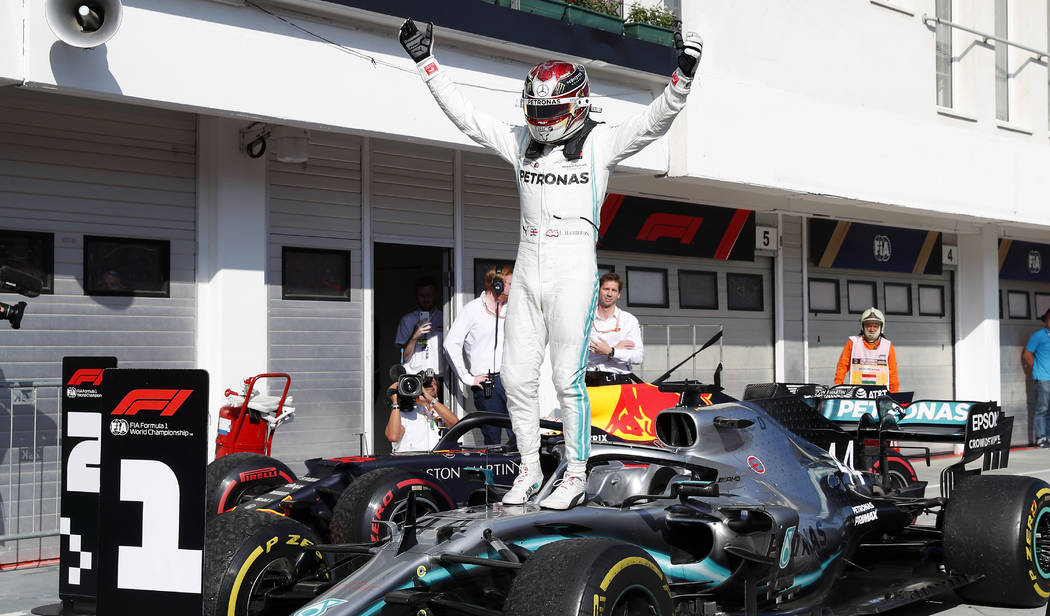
(30, 472)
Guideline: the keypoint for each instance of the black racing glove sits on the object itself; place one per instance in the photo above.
(689, 50)
(415, 42)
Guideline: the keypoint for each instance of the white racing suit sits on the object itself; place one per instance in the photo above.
(555, 274)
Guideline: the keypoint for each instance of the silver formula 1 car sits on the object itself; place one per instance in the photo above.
(735, 512)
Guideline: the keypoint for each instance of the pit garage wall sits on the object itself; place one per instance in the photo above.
(317, 204)
(1018, 393)
(924, 343)
(76, 167)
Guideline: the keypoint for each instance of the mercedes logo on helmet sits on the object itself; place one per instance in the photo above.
(543, 90)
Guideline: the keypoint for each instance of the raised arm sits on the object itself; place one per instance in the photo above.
(505, 139)
(641, 130)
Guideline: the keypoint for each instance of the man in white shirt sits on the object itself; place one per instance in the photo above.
(615, 342)
(416, 428)
(419, 332)
(475, 346)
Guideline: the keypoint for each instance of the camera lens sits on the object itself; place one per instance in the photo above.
(410, 385)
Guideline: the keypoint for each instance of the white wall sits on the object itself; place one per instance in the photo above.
(240, 61)
(11, 65)
(837, 98)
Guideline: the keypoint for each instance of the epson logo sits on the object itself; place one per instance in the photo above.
(984, 421)
(551, 179)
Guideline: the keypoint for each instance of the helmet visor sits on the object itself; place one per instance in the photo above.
(548, 109)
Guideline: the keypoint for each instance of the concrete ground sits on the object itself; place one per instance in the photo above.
(23, 589)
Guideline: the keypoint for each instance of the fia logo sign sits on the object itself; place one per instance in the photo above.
(882, 249)
(1035, 262)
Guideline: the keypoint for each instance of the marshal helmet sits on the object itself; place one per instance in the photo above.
(873, 314)
(556, 100)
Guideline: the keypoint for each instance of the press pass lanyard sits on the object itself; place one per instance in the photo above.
(594, 325)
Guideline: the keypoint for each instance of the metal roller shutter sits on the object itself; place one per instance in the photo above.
(1022, 303)
(412, 190)
(924, 343)
(74, 167)
(317, 204)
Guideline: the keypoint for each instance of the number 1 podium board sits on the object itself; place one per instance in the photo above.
(154, 454)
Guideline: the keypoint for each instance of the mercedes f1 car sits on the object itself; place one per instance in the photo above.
(735, 510)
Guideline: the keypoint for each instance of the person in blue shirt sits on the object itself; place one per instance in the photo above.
(1036, 358)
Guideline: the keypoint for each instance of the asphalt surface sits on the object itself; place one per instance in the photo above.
(22, 590)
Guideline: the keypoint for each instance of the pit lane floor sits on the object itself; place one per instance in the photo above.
(23, 589)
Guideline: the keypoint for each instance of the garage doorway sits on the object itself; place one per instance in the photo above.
(397, 268)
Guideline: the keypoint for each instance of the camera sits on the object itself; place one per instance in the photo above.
(411, 385)
(14, 281)
(13, 313)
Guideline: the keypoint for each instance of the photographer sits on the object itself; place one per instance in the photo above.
(414, 423)
(475, 346)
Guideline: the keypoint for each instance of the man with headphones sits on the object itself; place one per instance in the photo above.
(869, 358)
(474, 345)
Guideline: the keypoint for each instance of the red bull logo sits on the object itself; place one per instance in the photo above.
(628, 411)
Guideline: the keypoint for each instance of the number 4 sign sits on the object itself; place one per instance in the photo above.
(154, 453)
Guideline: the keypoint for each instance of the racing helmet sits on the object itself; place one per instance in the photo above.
(872, 314)
(555, 100)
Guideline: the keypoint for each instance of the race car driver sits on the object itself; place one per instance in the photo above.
(562, 159)
(869, 357)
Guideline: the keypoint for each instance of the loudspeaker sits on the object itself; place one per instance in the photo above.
(83, 23)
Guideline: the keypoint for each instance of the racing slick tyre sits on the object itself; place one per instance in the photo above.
(999, 526)
(250, 553)
(237, 477)
(380, 496)
(580, 577)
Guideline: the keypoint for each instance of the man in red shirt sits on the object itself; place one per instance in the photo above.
(869, 358)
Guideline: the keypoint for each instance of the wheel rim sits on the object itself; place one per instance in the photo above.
(636, 601)
(1041, 543)
(275, 574)
(424, 505)
(237, 498)
(897, 480)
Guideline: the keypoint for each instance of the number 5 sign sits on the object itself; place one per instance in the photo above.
(154, 453)
(766, 238)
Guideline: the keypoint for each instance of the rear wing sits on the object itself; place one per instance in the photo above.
(982, 427)
(936, 417)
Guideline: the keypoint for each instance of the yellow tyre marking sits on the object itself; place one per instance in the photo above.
(231, 607)
(627, 562)
(1040, 493)
(1039, 591)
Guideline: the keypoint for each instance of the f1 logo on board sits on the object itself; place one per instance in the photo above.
(662, 224)
(89, 376)
(167, 401)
